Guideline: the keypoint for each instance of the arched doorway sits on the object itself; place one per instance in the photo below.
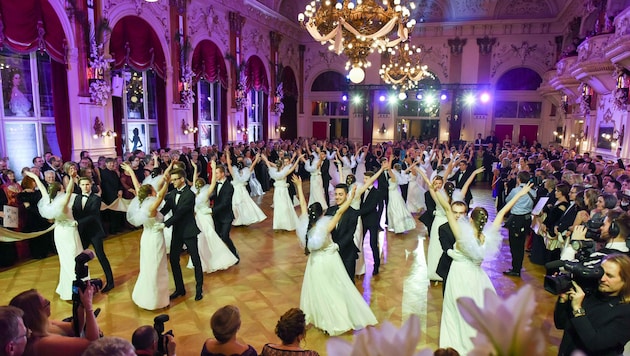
(288, 119)
(329, 111)
(257, 86)
(210, 110)
(139, 112)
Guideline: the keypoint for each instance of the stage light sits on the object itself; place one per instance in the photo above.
(485, 97)
(356, 99)
(381, 98)
(443, 97)
(392, 99)
(419, 96)
(344, 97)
(402, 95)
(429, 99)
(469, 99)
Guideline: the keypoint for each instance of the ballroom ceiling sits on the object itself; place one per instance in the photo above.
(459, 10)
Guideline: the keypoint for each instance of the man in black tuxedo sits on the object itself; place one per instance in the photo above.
(460, 178)
(86, 210)
(181, 201)
(492, 139)
(222, 210)
(371, 216)
(447, 241)
(343, 234)
(325, 169)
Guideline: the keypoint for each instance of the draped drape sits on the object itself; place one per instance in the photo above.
(256, 75)
(134, 42)
(160, 98)
(61, 109)
(30, 25)
(118, 112)
(265, 118)
(208, 62)
(289, 83)
(224, 117)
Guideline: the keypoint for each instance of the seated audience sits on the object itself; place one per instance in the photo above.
(291, 329)
(225, 322)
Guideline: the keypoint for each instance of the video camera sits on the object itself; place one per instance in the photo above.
(586, 271)
(158, 325)
(81, 272)
(593, 226)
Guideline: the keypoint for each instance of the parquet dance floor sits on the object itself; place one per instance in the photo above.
(268, 281)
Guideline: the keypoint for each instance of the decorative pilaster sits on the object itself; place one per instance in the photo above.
(454, 121)
(485, 58)
(485, 45)
(177, 13)
(236, 33)
(301, 50)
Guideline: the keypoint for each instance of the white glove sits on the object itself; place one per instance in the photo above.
(75, 223)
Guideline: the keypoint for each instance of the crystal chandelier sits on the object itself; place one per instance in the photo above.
(403, 69)
(358, 28)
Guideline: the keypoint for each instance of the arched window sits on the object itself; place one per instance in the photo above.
(139, 61)
(330, 81)
(258, 111)
(519, 79)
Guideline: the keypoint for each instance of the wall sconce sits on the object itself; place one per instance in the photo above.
(187, 129)
(99, 130)
(615, 137)
(240, 128)
(280, 128)
(383, 129)
(450, 118)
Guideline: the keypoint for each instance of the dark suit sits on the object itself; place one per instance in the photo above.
(223, 214)
(343, 235)
(447, 241)
(371, 216)
(185, 231)
(91, 230)
(325, 169)
(460, 178)
(429, 215)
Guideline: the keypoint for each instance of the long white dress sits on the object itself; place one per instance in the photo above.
(329, 299)
(246, 212)
(360, 171)
(151, 289)
(347, 163)
(284, 216)
(358, 232)
(67, 240)
(399, 218)
(415, 195)
(466, 278)
(316, 186)
(434, 252)
(213, 252)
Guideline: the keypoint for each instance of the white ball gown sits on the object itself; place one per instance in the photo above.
(360, 169)
(415, 195)
(67, 240)
(399, 219)
(213, 252)
(329, 299)
(317, 185)
(434, 252)
(246, 212)
(466, 278)
(284, 215)
(151, 289)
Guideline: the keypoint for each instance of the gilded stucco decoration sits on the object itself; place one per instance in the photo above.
(206, 19)
(543, 53)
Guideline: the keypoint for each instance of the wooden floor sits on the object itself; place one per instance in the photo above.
(267, 282)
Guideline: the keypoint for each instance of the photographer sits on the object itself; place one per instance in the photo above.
(598, 323)
(145, 340)
(614, 232)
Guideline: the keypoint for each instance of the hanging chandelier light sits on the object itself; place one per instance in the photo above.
(358, 28)
(403, 68)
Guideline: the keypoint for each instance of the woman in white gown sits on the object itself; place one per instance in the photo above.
(317, 186)
(466, 278)
(399, 218)
(56, 205)
(151, 289)
(329, 299)
(284, 216)
(213, 252)
(415, 196)
(255, 187)
(360, 159)
(348, 162)
(246, 212)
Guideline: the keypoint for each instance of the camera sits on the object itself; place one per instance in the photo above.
(586, 271)
(158, 325)
(81, 272)
(593, 226)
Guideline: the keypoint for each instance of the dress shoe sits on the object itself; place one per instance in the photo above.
(177, 294)
(107, 288)
(198, 296)
(512, 273)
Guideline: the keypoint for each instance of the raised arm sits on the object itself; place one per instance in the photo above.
(228, 160)
(342, 209)
(371, 181)
(498, 220)
(39, 183)
(160, 196)
(69, 191)
(127, 168)
(470, 180)
(195, 172)
(256, 160)
(294, 166)
(297, 181)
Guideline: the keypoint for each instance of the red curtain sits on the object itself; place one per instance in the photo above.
(265, 118)
(256, 75)
(207, 61)
(31, 25)
(61, 109)
(118, 112)
(289, 83)
(160, 98)
(134, 42)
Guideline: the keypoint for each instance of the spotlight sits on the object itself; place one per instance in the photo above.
(485, 97)
(356, 99)
(429, 99)
(469, 99)
(392, 99)
(344, 97)
(402, 95)
(419, 96)
(381, 98)
(443, 97)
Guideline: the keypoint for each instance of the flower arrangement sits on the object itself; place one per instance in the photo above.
(100, 90)
(240, 96)
(187, 95)
(278, 105)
